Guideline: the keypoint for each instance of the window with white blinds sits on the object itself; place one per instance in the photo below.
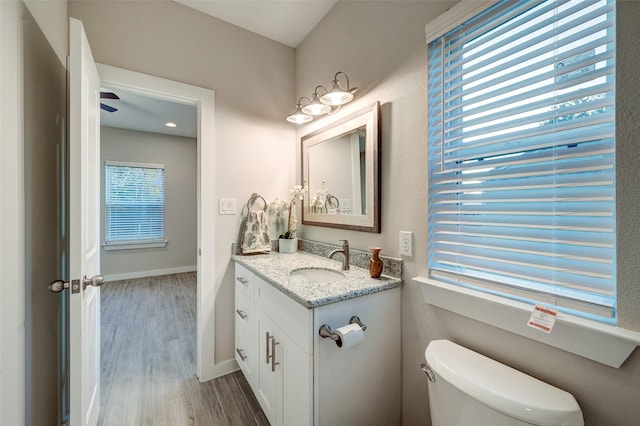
(134, 203)
(522, 154)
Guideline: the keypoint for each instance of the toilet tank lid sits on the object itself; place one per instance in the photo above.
(501, 387)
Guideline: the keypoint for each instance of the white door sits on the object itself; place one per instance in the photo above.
(84, 230)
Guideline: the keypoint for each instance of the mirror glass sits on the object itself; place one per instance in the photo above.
(340, 164)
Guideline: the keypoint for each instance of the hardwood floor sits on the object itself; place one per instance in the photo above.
(148, 343)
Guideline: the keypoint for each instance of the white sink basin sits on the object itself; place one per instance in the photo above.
(317, 275)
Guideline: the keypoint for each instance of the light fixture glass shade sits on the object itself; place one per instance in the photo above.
(315, 107)
(336, 96)
(299, 117)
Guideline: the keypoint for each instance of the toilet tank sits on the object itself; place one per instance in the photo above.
(471, 389)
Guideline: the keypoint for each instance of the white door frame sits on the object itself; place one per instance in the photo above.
(12, 222)
(203, 99)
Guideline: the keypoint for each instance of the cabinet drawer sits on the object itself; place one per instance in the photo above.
(294, 319)
(245, 352)
(244, 311)
(244, 281)
(244, 342)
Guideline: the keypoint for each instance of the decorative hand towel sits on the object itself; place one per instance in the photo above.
(255, 236)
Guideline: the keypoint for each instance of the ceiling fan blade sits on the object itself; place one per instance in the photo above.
(108, 108)
(108, 95)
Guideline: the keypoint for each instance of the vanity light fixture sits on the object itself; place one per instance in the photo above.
(325, 103)
(299, 117)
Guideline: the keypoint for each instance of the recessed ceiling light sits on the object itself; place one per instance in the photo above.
(170, 124)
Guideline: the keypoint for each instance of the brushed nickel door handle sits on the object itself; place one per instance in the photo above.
(267, 346)
(58, 285)
(96, 281)
(273, 354)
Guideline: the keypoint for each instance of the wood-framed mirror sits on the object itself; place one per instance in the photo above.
(341, 165)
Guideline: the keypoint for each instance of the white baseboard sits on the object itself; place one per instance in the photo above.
(152, 273)
(221, 369)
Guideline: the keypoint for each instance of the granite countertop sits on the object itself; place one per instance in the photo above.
(275, 267)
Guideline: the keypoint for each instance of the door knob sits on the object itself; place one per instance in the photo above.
(96, 281)
(58, 285)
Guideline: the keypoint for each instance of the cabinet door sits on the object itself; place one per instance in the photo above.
(244, 328)
(297, 385)
(268, 383)
(284, 376)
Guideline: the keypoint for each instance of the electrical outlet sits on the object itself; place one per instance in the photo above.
(406, 243)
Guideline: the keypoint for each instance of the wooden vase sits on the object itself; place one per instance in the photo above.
(375, 264)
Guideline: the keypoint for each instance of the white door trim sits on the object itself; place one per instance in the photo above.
(12, 222)
(203, 99)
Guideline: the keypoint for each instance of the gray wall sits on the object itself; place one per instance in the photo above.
(381, 45)
(178, 154)
(44, 141)
(28, 123)
(253, 79)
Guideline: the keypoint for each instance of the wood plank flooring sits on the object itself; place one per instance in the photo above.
(148, 344)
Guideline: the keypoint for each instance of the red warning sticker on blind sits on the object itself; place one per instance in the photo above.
(542, 318)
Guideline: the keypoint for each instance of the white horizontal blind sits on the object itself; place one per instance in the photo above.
(134, 203)
(521, 154)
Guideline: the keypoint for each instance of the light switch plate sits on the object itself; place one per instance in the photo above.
(406, 243)
(227, 206)
(345, 205)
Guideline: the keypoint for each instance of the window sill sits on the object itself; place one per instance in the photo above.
(603, 343)
(134, 245)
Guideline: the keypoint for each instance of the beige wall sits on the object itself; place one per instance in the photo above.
(178, 154)
(380, 44)
(52, 18)
(253, 82)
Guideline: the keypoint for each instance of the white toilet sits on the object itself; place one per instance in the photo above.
(466, 388)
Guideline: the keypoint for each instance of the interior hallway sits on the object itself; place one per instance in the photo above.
(148, 361)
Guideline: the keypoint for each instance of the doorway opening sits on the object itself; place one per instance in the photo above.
(117, 79)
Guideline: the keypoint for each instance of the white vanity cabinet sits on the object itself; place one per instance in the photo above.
(300, 378)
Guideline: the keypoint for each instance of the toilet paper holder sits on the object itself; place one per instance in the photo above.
(325, 330)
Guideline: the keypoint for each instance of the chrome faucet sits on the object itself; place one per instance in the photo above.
(345, 254)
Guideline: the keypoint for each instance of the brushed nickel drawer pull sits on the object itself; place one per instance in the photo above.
(243, 281)
(273, 354)
(242, 314)
(241, 353)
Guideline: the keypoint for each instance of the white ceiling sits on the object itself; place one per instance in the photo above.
(286, 21)
(147, 114)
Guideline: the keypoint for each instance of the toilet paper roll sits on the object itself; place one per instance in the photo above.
(350, 336)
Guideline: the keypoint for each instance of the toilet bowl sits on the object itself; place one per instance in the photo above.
(466, 388)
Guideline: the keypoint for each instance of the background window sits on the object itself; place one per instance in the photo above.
(134, 203)
(521, 154)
